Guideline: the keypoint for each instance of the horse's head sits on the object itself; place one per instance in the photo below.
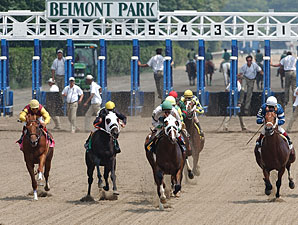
(171, 128)
(190, 108)
(112, 125)
(33, 131)
(270, 121)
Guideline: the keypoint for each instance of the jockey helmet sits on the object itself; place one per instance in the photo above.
(271, 101)
(173, 93)
(34, 104)
(188, 94)
(110, 105)
(171, 99)
(166, 105)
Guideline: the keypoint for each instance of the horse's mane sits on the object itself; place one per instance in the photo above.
(30, 117)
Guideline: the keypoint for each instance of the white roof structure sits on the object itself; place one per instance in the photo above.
(177, 25)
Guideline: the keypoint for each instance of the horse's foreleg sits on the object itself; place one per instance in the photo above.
(42, 160)
(267, 182)
(189, 169)
(195, 158)
(99, 183)
(30, 168)
(90, 169)
(48, 168)
(178, 177)
(113, 177)
(107, 170)
(278, 182)
(291, 182)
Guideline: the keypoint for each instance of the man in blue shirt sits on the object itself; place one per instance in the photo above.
(272, 104)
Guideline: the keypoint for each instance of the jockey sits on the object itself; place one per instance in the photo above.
(98, 123)
(158, 116)
(34, 108)
(272, 104)
(188, 95)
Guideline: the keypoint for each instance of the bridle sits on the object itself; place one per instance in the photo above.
(190, 112)
(269, 126)
(37, 134)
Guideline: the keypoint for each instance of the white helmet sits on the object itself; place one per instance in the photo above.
(171, 99)
(271, 101)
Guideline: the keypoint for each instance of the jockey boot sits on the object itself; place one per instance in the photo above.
(259, 141)
(87, 144)
(201, 131)
(181, 144)
(116, 146)
(21, 138)
(150, 146)
(289, 141)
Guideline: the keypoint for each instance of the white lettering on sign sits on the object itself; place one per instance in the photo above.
(112, 9)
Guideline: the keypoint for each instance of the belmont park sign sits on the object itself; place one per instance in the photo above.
(98, 9)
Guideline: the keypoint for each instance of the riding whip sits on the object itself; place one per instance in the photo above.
(255, 134)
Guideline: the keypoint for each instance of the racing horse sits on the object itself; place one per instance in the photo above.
(37, 150)
(209, 70)
(191, 69)
(275, 154)
(197, 141)
(102, 153)
(169, 159)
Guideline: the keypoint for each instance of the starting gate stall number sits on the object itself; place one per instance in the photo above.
(118, 29)
(151, 29)
(184, 29)
(217, 30)
(85, 29)
(283, 30)
(52, 29)
(250, 30)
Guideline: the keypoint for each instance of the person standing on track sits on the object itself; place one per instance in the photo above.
(72, 93)
(289, 64)
(58, 70)
(95, 98)
(248, 73)
(56, 119)
(156, 63)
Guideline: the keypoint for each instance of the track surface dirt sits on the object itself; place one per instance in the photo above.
(230, 189)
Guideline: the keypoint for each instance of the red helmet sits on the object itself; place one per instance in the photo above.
(174, 94)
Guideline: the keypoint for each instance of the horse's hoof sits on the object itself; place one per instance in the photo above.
(177, 189)
(196, 173)
(267, 192)
(291, 184)
(163, 199)
(161, 206)
(277, 195)
(47, 188)
(100, 185)
(106, 188)
(190, 174)
(35, 198)
(115, 192)
(178, 194)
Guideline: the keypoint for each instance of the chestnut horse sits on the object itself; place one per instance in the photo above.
(37, 151)
(209, 70)
(196, 140)
(169, 159)
(275, 154)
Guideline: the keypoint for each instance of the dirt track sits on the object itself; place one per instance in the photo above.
(230, 189)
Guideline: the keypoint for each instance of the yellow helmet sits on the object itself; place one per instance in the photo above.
(110, 105)
(34, 104)
(171, 99)
(188, 94)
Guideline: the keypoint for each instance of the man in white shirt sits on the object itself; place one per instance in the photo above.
(289, 65)
(58, 70)
(156, 63)
(54, 88)
(295, 112)
(72, 93)
(248, 73)
(95, 98)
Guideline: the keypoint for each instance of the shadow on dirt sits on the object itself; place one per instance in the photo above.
(250, 201)
(16, 198)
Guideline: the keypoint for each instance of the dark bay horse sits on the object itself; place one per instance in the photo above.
(169, 159)
(37, 151)
(209, 70)
(191, 69)
(196, 140)
(102, 153)
(275, 154)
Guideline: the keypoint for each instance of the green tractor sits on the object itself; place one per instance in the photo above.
(85, 62)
